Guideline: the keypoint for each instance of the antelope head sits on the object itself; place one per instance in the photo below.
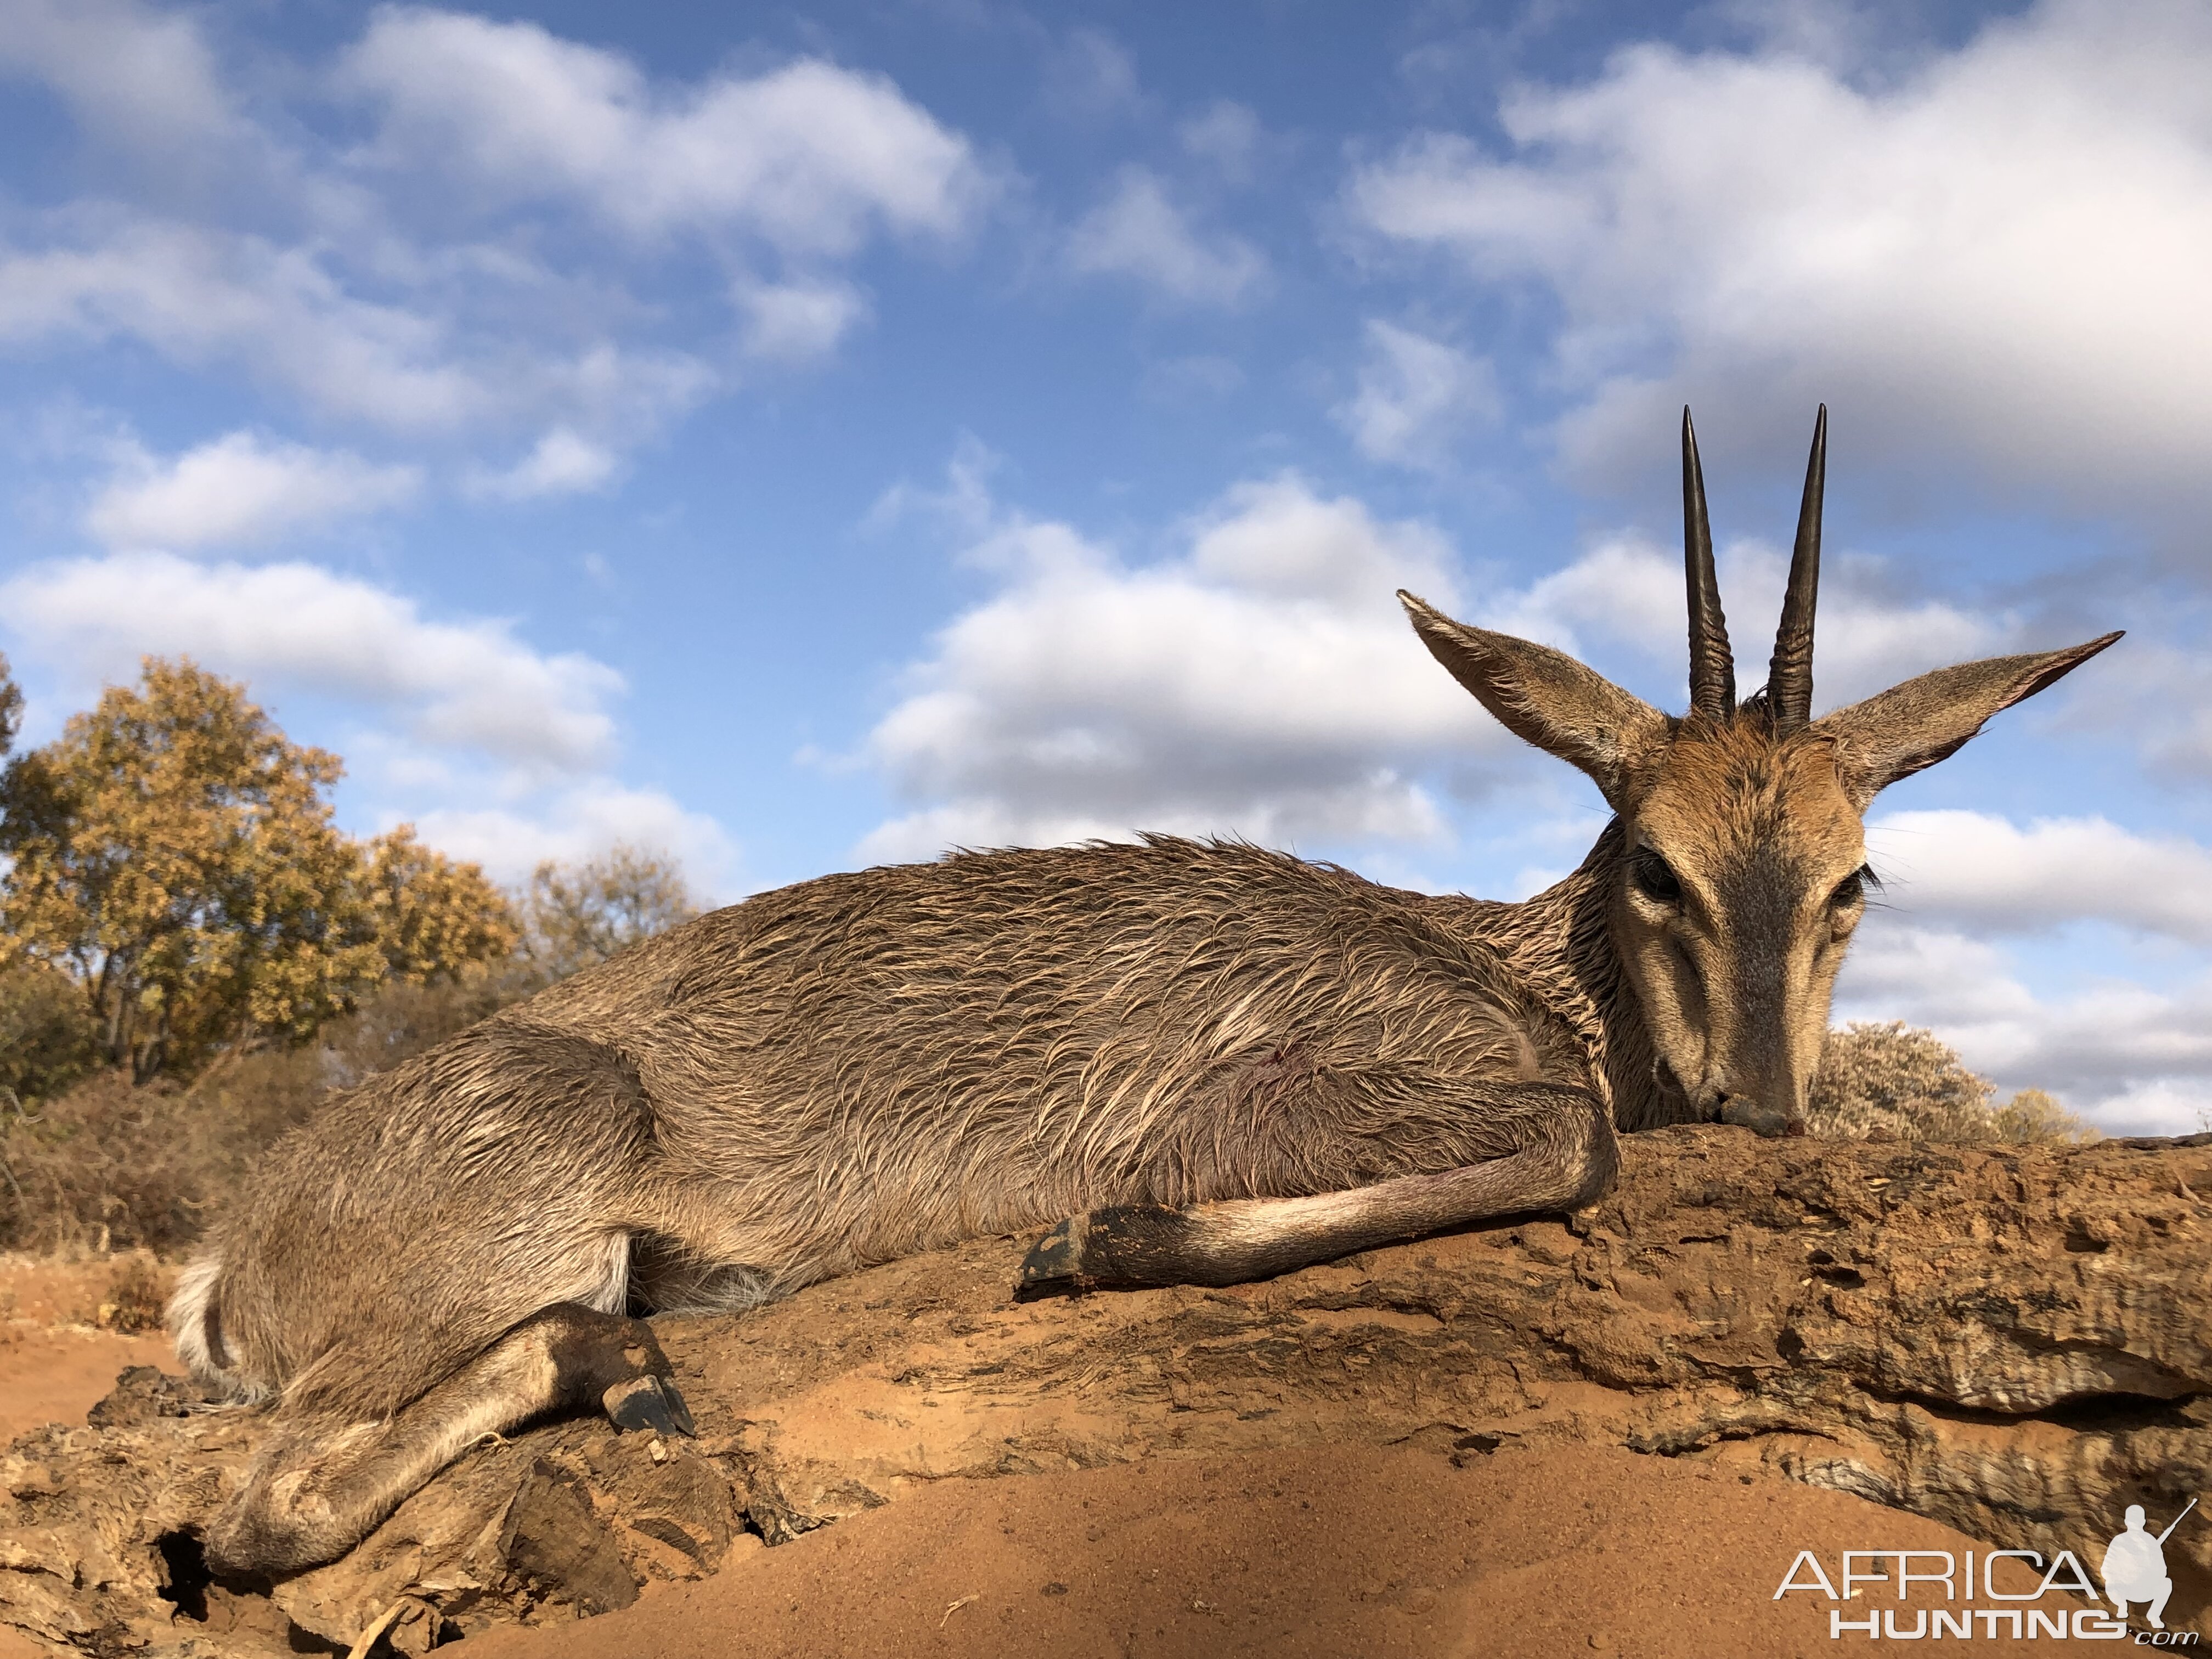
(1742, 859)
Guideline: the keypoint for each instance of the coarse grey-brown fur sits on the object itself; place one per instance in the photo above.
(1204, 1060)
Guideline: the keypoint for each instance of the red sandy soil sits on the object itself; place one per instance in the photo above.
(55, 1364)
(1358, 1552)
(1349, 1551)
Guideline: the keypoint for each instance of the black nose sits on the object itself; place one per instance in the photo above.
(1759, 1120)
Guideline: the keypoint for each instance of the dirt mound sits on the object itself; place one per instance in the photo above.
(1347, 1551)
(2016, 1343)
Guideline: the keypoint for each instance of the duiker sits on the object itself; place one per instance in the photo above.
(1205, 1062)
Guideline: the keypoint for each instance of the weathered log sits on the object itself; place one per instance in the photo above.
(2015, 1341)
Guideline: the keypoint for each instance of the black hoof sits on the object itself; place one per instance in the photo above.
(1055, 1265)
(647, 1403)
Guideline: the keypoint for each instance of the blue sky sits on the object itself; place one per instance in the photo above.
(804, 437)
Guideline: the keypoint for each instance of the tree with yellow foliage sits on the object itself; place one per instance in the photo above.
(174, 854)
(435, 919)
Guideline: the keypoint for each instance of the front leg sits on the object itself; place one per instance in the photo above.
(1564, 1156)
(321, 1483)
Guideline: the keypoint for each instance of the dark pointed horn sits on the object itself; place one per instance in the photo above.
(1712, 669)
(1790, 676)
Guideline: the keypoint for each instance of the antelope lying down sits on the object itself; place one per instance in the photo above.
(1221, 1062)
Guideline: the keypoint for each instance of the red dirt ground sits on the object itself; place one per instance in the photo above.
(1350, 1552)
(54, 1363)
(1353, 1551)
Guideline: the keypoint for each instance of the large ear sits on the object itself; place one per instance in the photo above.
(1545, 697)
(1912, 725)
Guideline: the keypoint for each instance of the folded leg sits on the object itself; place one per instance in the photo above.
(1563, 1156)
(321, 1483)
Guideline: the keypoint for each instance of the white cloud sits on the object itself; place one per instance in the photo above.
(1981, 872)
(1416, 395)
(562, 462)
(2132, 1059)
(208, 298)
(1226, 136)
(1626, 592)
(810, 157)
(1263, 681)
(452, 275)
(145, 78)
(240, 490)
(578, 821)
(793, 321)
(1138, 233)
(470, 684)
(202, 296)
(1999, 251)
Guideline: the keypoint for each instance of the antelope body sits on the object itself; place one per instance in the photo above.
(1205, 1062)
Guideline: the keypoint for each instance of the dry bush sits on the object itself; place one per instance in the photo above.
(2032, 1114)
(576, 915)
(110, 1165)
(107, 1165)
(104, 1165)
(1895, 1081)
(46, 1035)
(1892, 1080)
(137, 1291)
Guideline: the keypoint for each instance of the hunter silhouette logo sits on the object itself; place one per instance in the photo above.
(2135, 1566)
(2134, 1572)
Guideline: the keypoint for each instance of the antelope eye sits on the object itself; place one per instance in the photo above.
(1653, 878)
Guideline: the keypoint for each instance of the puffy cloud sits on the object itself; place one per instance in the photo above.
(468, 684)
(201, 296)
(1137, 231)
(809, 157)
(1625, 592)
(452, 275)
(205, 297)
(239, 490)
(1262, 682)
(1416, 395)
(145, 78)
(1226, 136)
(1972, 899)
(560, 463)
(1983, 873)
(1997, 251)
(578, 821)
(793, 321)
